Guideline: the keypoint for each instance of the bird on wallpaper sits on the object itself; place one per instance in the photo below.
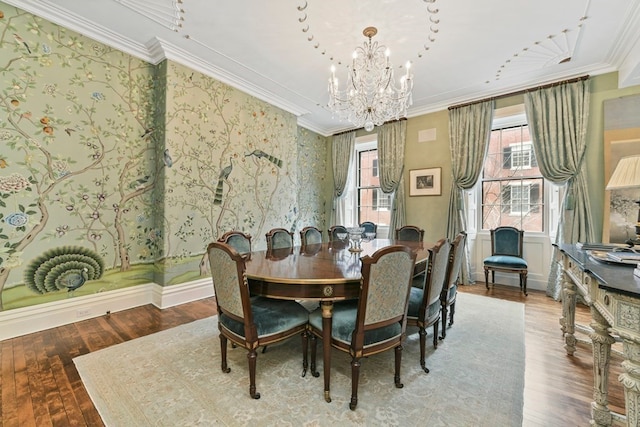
(260, 154)
(224, 174)
(147, 132)
(69, 130)
(139, 183)
(166, 157)
(72, 279)
(20, 40)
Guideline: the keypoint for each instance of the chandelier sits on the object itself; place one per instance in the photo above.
(371, 96)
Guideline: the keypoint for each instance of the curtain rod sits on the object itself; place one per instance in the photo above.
(353, 130)
(519, 92)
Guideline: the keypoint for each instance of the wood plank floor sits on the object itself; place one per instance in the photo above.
(41, 387)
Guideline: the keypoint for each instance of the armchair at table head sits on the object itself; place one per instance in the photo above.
(238, 240)
(410, 233)
(450, 287)
(424, 303)
(506, 255)
(279, 238)
(310, 236)
(334, 230)
(376, 322)
(246, 321)
(369, 227)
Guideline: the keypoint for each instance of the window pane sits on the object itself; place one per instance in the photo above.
(373, 204)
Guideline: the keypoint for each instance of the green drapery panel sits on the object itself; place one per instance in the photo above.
(391, 142)
(469, 133)
(342, 150)
(557, 118)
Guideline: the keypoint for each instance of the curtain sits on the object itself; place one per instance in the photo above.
(557, 118)
(469, 133)
(391, 142)
(342, 151)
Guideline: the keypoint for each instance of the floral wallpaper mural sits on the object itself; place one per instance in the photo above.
(115, 172)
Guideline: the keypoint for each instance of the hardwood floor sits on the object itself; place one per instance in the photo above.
(41, 387)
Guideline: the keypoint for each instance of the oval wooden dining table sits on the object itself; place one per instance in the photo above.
(325, 272)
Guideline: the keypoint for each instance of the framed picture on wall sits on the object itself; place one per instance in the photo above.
(425, 182)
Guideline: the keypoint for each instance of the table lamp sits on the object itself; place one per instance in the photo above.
(627, 175)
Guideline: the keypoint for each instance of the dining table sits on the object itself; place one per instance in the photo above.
(322, 272)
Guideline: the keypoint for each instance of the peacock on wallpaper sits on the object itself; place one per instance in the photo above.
(115, 172)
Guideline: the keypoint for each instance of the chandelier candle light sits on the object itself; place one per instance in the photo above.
(371, 96)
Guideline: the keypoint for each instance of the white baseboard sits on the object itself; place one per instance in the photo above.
(533, 282)
(27, 320)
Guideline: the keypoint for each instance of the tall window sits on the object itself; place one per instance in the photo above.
(372, 204)
(512, 185)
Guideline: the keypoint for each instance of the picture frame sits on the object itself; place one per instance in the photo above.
(425, 182)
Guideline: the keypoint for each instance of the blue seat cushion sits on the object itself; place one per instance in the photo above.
(505, 261)
(270, 316)
(343, 324)
(415, 302)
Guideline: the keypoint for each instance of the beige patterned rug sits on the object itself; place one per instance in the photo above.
(173, 378)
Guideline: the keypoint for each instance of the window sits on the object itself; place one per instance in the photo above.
(381, 201)
(512, 185)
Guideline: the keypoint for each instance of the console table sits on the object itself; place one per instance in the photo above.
(613, 294)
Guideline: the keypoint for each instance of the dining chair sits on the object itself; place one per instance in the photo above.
(410, 233)
(452, 279)
(310, 236)
(506, 255)
(376, 322)
(369, 227)
(424, 303)
(279, 238)
(250, 322)
(238, 240)
(334, 230)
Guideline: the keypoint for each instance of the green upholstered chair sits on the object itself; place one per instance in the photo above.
(334, 230)
(369, 227)
(450, 288)
(376, 322)
(246, 321)
(279, 238)
(410, 233)
(506, 255)
(240, 241)
(424, 302)
(310, 236)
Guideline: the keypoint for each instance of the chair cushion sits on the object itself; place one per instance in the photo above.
(344, 322)
(415, 301)
(505, 261)
(270, 316)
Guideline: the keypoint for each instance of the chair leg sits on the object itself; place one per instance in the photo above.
(314, 345)
(355, 376)
(436, 325)
(451, 313)
(444, 321)
(305, 351)
(423, 342)
(252, 357)
(523, 279)
(223, 354)
(486, 277)
(398, 358)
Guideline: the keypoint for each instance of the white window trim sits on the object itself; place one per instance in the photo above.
(520, 148)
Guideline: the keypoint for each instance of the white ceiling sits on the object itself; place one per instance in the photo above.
(281, 50)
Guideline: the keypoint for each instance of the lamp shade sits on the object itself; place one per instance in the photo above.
(626, 174)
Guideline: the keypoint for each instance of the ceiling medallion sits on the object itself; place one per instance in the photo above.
(371, 96)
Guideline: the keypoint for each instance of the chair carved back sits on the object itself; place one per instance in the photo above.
(335, 230)
(369, 227)
(240, 241)
(436, 273)
(455, 260)
(506, 240)
(310, 236)
(410, 233)
(229, 281)
(279, 238)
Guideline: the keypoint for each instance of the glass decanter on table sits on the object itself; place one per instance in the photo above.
(355, 238)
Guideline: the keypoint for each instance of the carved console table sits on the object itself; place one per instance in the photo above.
(613, 295)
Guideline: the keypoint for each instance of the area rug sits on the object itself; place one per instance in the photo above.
(173, 378)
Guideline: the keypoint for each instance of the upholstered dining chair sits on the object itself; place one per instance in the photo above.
(246, 321)
(238, 240)
(424, 302)
(376, 322)
(451, 281)
(310, 236)
(506, 255)
(279, 238)
(369, 227)
(334, 230)
(410, 233)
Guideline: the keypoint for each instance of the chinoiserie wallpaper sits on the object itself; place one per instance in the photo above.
(115, 172)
